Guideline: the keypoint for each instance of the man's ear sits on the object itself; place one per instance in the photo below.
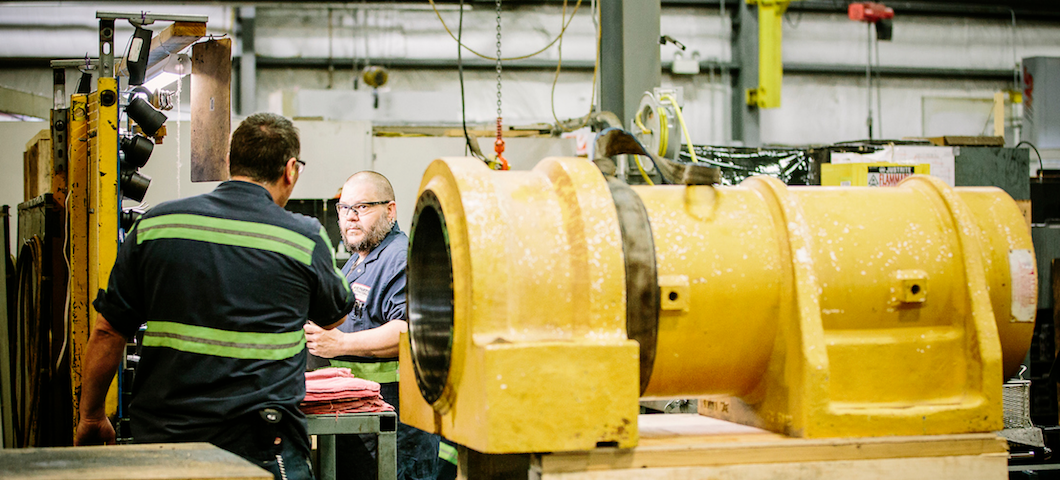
(290, 170)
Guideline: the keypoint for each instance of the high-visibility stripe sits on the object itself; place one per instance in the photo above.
(342, 278)
(382, 372)
(227, 232)
(224, 343)
(447, 452)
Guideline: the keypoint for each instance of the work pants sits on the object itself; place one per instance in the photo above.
(269, 446)
(417, 451)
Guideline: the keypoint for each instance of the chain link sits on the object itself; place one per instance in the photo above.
(498, 59)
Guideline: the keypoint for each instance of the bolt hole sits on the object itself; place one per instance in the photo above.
(673, 296)
(915, 289)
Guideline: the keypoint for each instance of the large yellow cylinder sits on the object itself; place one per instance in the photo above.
(813, 311)
(729, 248)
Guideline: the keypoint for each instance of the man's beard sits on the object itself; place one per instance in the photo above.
(372, 238)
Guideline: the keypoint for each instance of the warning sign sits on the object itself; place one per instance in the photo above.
(888, 176)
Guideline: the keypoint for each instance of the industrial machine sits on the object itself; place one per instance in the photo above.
(77, 175)
(544, 304)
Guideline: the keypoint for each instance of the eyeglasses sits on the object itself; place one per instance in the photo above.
(301, 165)
(360, 208)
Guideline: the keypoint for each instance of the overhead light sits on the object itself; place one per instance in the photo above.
(129, 216)
(149, 119)
(176, 65)
(136, 150)
(134, 184)
(160, 81)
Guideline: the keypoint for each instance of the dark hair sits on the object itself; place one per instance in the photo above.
(261, 147)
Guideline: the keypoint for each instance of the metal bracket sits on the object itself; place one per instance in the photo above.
(145, 18)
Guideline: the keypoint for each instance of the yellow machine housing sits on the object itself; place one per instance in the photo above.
(812, 311)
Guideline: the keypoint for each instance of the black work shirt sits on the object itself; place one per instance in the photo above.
(224, 281)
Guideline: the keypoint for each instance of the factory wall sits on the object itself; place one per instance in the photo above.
(816, 108)
(332, 151)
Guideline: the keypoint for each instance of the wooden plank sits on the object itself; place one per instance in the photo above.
(712, 442)
(174, 38)
(37, 166)
(972, 467)
(211, 107)
(24, 103)
(180, 461)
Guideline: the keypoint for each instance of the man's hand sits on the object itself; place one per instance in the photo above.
(323, 343)
(94, 431)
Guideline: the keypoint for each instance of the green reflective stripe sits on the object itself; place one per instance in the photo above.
(383, 372)
(227, 232)
(447, 452)
(224, 343)
(338, 273)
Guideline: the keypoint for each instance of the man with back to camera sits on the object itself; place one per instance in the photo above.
(367, 343)
(224, 281)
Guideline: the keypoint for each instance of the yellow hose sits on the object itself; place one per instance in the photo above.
(664, 132)
(640, 124)
(684, 128)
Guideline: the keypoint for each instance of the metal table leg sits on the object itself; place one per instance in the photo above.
(326, 446)
(386, 455)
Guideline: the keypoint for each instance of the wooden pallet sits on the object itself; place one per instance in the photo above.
(689, 446)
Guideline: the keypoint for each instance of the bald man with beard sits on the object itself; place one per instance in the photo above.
(367, 343)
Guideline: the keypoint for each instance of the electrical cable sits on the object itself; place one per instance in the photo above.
(594, 7)
(69, 280)
(681, 121)
(559, 62)
(640, 123)
(26, 354)
(647, 179)
(460, 68)
(1041, 166)
(522, 57)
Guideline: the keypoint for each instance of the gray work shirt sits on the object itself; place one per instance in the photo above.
(378, 284)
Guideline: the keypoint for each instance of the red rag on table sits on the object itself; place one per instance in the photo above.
(336, 390)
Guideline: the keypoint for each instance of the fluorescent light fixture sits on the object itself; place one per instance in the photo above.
(175, 66)
(160, 81)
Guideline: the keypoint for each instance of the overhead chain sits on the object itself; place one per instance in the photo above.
(498, 145)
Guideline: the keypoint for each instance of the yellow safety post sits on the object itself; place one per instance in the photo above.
(103, 196)
(770, 63)
(812, 311)
(77, 242)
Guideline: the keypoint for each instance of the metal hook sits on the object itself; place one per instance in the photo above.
(1023, 368)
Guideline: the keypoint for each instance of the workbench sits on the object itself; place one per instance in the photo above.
(168, 461)
(690, 446)
(382, 424)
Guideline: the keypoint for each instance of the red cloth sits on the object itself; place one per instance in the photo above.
(347, 406)
(336, 390)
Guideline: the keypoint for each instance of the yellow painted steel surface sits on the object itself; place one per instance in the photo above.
(770, 64)
(813, 311)
(103, 197)
(538, 290)
(77, 216)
